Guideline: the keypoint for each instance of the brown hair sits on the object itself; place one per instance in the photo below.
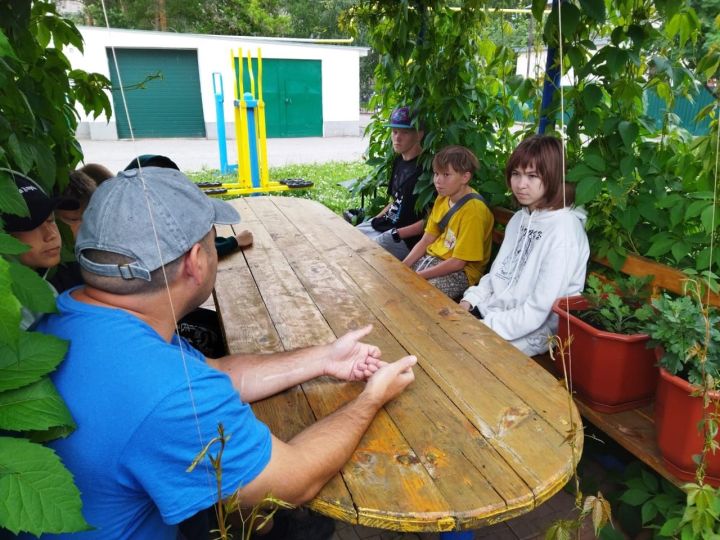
(80, 188)
(97, 172)
(458, 157)
(545, 153)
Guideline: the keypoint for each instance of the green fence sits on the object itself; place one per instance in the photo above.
(686, 109)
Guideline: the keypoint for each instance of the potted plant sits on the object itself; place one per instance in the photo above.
(687, 339)
(607, 359)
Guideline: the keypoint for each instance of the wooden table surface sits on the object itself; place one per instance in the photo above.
(479, 437)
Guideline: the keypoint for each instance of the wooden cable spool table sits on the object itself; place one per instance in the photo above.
(481, 436)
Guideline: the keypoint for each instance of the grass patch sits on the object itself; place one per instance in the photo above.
(325, 177)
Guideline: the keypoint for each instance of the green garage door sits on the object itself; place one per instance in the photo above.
(162, 89)
(292, 91)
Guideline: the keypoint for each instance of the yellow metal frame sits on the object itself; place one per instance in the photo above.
(244, 186)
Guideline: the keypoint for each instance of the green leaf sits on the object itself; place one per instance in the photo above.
(627, 166)
(592, 122)
(616, 59)
(616, 258)
(9, 245)
(47, 435)
(36, 406)
(569, 19)
(648, 512)
(670, 527)
(695, 208)
(594, 8)
(44, 162)
(591, 95)
(11, 201)
(10, 315)
(662, 243)
(38, 491)
(6, 49)
(628, 132)
(650, 481)
(587, 189)
(21, 153)
(37, 355)
(709, 64)
(595, 162)
(538, 8)
(33, 291)
(579, 172)
(629, 218)
(635, 497)
(707, 216)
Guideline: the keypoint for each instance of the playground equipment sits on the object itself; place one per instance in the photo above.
(253, 175)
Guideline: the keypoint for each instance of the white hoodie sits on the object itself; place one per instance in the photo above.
(530, 272)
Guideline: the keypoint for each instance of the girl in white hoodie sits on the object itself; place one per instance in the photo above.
(543, 256)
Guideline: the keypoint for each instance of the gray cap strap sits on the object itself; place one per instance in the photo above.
(126, 271)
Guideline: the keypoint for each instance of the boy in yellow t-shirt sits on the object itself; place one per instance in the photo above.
(453, 252)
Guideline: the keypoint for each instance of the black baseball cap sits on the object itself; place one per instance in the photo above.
(39, 203)
(152, 160)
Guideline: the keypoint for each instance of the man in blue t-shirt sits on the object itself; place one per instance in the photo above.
(146, 403)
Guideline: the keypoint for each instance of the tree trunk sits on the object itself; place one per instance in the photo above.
(161, 16)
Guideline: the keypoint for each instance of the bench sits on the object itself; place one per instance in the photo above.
(634, 430)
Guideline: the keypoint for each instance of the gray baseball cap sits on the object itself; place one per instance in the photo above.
(118, 220)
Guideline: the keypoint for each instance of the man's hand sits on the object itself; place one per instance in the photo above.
(465, 305)
(390, 380)
(351, 360)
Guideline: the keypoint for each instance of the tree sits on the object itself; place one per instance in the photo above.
(228, 17)
(38, 93)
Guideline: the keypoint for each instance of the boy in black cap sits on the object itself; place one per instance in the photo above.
(399, 226)
(37, 230)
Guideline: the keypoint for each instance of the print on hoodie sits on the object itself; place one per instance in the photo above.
(514, 263)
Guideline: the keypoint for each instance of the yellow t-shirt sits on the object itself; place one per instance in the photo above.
(468, 235)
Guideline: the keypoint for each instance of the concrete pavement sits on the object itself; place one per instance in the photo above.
(198, 154)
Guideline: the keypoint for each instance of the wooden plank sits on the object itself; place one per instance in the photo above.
(411, 501)
(470, 493)
(513, 415)
(249, 329)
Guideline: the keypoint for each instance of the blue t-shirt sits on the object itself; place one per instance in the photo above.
(142, 420)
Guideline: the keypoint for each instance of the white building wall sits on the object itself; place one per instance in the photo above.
(340, 73)
(533, 66)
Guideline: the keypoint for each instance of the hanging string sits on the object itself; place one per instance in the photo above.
(715, 194)
(564, 349)
(141, 175)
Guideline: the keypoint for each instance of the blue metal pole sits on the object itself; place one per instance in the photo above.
(457, 535)
(252, 139)
(552, 81)
(220, 119)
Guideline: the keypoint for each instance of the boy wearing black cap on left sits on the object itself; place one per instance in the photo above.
(37, 230)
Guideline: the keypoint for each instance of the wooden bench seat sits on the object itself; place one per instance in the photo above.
(634, 430)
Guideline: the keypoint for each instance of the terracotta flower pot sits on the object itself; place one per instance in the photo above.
(610, 372)
(677, 415)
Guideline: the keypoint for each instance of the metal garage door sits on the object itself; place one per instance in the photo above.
(292, 91)
(162, 89)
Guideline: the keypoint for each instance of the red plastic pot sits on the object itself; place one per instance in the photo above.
(677, 415)
(609, 372)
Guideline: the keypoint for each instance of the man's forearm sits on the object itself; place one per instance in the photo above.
(328, 444)
(257, 376)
